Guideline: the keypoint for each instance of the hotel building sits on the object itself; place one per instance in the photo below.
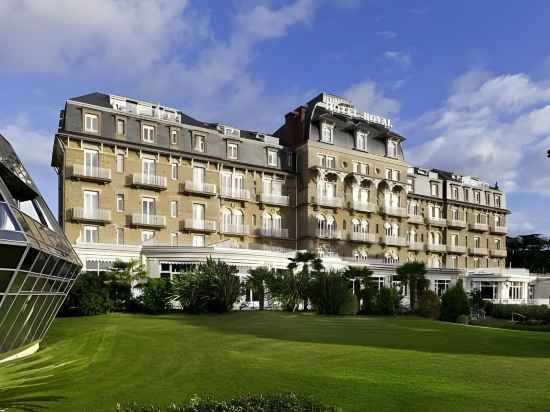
(144, 181)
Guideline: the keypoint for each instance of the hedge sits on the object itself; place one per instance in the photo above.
(531, 312)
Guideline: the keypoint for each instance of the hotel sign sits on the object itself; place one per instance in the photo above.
(339, 105)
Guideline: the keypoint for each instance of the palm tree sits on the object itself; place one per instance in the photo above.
(122, 277)
(413, 274)
(362, 285)
(301, 281)
(256, 282)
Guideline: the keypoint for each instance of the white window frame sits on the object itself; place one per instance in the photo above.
(199, 144)
(90, 234)
(173, 208)
(271, 157)
(120, 202)
(147, 235)
(232, 151)
(120, 163)
(327, 133)
(91, 117)
(120, 236)
(174, 170)
(174, 136)
(198, 241)
(123, 122)
(361, 140)
(148, 133)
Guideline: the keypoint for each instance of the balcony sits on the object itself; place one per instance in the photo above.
(235, 193)
(416, 246)
(147, 181)
(364, 206)
(418, 219)
(393, 211)
(456, 249)
(436, 221)
(433, 247)
(199, 225)
(328, 234)
(207, 189)
(457, 224)
(231, 229)
(394, 241)
(478, 251)
(277, 233)
(91, 174)
(274, 199)
(146, 220)
(479, 227)
(79, 214)
(499, 230)
(330, 201)
(363, 237)
(497, 252)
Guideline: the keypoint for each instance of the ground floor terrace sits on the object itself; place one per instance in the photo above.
(357, 363)
(500, 285)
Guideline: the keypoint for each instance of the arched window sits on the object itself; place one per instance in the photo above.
(277, 223)
(364, 226)
(387, 228)
(226, 213)
(321, 224)
(412, 236)
(331, 226)
(395, 230)
(355, 226)
(436, 261)
(238, 218)
(267, 223)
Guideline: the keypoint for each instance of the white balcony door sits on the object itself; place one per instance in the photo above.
(226, 183)
(148, 168)
(238, 184)
(276, 225)
(238, 219)
(198, 215)
(267, 224)
(91, 162)
(148, 209)
(198, 176)
(91, 203)
(276, 187)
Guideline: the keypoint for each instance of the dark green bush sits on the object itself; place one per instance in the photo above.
(89, 296)
(454, 303)
(157, 294)
(465, 319)
(330, 292)
(351, 305)
(388, 301)
(428, 305)
(249, 403)
(212, 287)
(531, 312)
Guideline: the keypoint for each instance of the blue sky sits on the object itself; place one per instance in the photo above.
(468, 83)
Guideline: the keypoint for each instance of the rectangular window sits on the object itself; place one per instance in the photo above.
(361, 140)
(198, 241)
(395, 175)
(466, 195)
(120, 202)
(198, 213)
(174, 136)
(91, 123)
(120, 163)
(322, 160)
(174, 168)
(388, 174)
(477, 242)
(91, 234)
(271, 157)
(477, 196)
(174, 208)
(455, 193)
(148, 206)
(391, 149)
(120, 127)
(91, 162)
(327, 133)
(331, 162)
(148, 167)
(120, 236)
(487, 199)
(441, 286)
(232, 151)
(91, 203)
(148, 133)
(199, 145)
(434, 189)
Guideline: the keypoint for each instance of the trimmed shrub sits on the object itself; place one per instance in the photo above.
(351, 305)
(330, 292)
(428, 305)
(531, 312)
(454, 303)
(89, 296)
(388, 301)
(249, 403)
(157, 294)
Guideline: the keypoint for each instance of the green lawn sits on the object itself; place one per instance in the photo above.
(357, 363)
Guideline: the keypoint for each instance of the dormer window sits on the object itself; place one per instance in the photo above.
(271, 157)
(120, 127)
(148, 133)
(232, 151)
(199, 143)
(91, 123)
(327, 133)
(497, 201)
(434, 189)
(361, 140)
(391, 148)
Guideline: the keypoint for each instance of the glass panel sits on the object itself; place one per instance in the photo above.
(5, 277)
(29, 259)
(11, 255)
(17, 282)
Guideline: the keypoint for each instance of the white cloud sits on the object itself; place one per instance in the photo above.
(401, 58)
(33, 147)
(387, 34)
(367, 97)
(491, 127)
(518, 223)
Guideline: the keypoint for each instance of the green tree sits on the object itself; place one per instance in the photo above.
(529, 251)
(89, 296)
(413, 274)
(454, 303)
(157, 295)
(120, 280)
(429, 305)
(257, 280)
(363, 286)
(213, 287)
(331, 292)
